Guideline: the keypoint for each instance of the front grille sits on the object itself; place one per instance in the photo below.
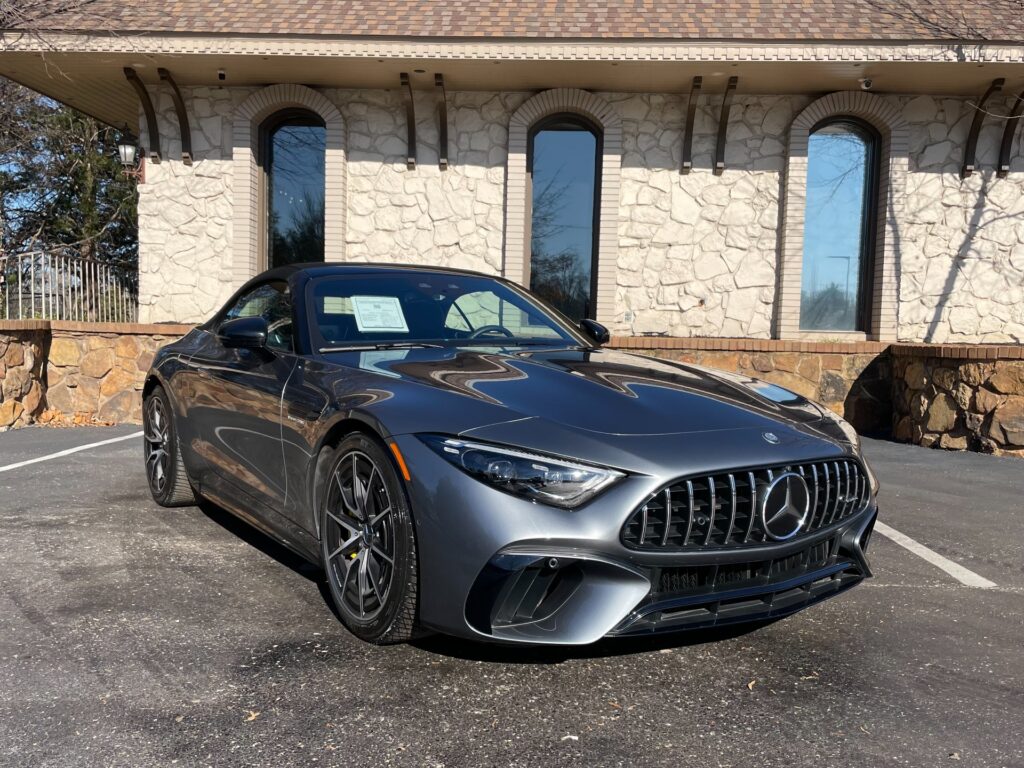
(722, 510)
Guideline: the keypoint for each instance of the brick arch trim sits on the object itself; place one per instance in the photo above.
(886, 118)
(247, 252)
(517, 208)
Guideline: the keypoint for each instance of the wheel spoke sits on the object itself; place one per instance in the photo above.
(360, 503)
(380, 516)
(343, 546)
(349, 506)
(373, 582)
(343, 522)
(362, 581)
(381, 553)
(349, 562)
(368, 490)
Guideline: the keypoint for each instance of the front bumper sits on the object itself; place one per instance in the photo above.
(496, 567)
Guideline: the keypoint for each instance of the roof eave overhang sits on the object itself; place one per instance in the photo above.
(86, 69)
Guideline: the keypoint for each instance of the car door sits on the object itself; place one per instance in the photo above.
(239, 411)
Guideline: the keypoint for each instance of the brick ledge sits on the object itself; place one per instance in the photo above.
(951, 351)
(133, 329)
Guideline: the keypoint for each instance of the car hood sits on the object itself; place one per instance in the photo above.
(593, 390)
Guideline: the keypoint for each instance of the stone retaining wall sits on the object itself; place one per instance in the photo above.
(852, 379)
(22, 357)
(956, 397)
(962, 400)
(76, 371)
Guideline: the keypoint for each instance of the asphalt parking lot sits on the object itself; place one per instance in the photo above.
(135, 635)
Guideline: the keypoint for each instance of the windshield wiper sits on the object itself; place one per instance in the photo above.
(381, 345)
(504, 341)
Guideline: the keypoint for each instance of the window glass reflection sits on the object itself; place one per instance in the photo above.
(295, 191)
(562, 247)
(837, 235)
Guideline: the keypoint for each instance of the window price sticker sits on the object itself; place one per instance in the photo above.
(379, 314)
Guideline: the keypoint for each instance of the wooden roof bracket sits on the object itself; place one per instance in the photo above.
(1003, 168)
(979, 117)
(723, 125)
(147, 108)
(442, 122)
(410, 120)
(179, 108)
(691, 114)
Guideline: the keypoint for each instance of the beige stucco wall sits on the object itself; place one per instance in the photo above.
(698, 254)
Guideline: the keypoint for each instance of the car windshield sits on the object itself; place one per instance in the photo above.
(423, 308)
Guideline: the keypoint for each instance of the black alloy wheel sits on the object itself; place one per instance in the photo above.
(368, 543)
(165, 469)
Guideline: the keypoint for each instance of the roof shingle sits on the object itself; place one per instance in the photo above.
(810, 20)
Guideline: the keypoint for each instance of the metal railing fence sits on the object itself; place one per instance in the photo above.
(44, 285)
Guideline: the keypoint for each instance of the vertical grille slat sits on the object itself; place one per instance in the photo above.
(814, 503)
(714, 515)
(753, 506)
(828, 488)
(689, 517)
(839, 494)
(711, 510)
(732, 513)
(668, 516)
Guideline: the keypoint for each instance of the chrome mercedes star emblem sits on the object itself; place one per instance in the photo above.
(785, 505)
(770, 437)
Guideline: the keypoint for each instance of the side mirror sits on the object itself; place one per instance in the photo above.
(243, 333)
(594, 330)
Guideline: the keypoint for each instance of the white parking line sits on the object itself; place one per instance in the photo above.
(957, 571)
(69, 451)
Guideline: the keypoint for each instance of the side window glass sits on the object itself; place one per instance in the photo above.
(273, 303)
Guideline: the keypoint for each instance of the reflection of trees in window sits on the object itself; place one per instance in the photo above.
(839, 219)
(294, 160)
(563, 166)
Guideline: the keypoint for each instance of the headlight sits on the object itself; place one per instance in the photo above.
(531, 476)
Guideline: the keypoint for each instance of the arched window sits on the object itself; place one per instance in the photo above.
(839, 226)
(564, 171)
(294, 155)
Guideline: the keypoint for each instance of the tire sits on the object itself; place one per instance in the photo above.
(368, 543)
(165, 469)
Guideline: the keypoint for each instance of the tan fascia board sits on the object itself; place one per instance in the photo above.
(511, 50)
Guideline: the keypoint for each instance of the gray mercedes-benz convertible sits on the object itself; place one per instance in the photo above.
(459, 457)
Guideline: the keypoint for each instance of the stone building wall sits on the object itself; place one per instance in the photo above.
(185, 211)
(453, 218)
(698, 253)
(961, 246)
